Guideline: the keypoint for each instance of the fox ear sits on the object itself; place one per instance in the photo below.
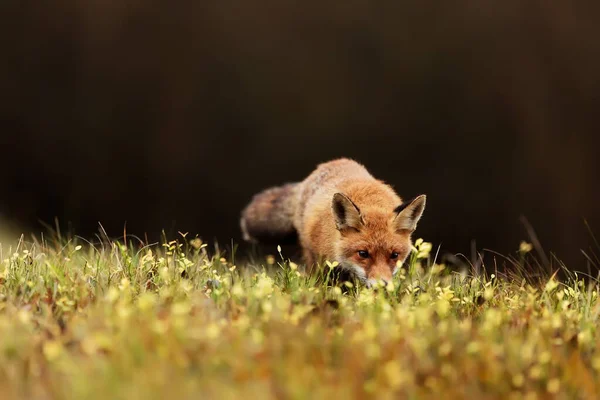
(346, 213)
(409, 213)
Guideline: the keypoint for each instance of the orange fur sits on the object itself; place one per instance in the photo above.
(340, 210)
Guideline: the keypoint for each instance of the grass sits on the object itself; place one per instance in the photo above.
(118, 321)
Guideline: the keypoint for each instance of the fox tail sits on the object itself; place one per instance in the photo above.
(269, 216)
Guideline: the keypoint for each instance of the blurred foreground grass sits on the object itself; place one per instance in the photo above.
(174, 321)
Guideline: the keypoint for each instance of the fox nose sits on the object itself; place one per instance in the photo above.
(374, 283)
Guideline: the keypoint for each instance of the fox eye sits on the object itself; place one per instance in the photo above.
(363, 254)
(394, 255)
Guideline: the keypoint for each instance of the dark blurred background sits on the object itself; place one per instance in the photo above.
(173, 114)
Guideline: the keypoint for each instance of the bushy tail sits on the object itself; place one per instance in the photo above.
(269, 216)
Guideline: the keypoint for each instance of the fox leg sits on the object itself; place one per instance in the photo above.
(309, 260)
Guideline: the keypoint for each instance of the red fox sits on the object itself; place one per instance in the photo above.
(340, 212)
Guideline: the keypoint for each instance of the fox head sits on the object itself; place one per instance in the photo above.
(374, 242)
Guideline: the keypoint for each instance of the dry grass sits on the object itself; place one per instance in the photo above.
(175, 321)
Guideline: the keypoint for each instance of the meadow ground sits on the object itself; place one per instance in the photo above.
(116, 320)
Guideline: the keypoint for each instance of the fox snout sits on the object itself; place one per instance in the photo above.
(370, 277)
(375, 283)
(371, 274)
(376, 278)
